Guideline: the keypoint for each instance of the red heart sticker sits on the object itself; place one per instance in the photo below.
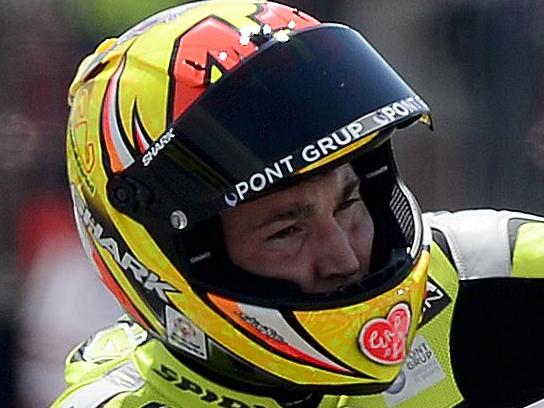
(384, 340)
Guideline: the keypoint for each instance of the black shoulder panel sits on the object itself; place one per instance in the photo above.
(497, 339)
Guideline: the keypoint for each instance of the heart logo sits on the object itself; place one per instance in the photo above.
(384, 340)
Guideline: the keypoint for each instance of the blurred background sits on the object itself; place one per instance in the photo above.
(477, 63)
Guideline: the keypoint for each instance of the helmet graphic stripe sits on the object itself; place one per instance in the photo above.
(270, 327)
(119, 154)
(114, 287)
(91, 234)
(292, 344)
(142, 138)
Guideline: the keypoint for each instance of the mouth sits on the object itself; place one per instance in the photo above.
(338, 284)
(348, 283)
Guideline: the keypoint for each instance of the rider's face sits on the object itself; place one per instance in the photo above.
(317, 234)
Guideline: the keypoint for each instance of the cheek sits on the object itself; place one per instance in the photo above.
(252, 254)
(280, 265)
(260, 261)
(362, 236)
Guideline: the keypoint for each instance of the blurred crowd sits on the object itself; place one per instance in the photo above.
(478, 64)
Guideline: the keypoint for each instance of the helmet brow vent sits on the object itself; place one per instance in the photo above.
(403, 214)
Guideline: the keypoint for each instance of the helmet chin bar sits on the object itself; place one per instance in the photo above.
(228, 370)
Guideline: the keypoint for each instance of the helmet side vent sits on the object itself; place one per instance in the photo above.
(402, 212)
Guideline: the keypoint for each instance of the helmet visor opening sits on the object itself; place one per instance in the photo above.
(207, 264)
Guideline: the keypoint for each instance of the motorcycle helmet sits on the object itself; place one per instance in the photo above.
(212, 104)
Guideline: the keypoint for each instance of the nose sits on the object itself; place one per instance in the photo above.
(335, 256)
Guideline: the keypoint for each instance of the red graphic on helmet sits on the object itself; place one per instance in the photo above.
(384, 340)
(213, 44)
(278, 16)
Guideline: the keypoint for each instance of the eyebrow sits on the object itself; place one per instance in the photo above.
(300, 212)
(349, 188)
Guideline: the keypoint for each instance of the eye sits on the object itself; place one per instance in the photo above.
(348, 203)
(284, 233)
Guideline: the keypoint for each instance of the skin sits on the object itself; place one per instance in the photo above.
(317, 234)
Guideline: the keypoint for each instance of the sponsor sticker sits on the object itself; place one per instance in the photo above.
(383, 340)
(436, 300)
(421, 370)
(184, 334)
(156, 147)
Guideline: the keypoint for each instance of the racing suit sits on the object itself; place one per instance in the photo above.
(479, 343)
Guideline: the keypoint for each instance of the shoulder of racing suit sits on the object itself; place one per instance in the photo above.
(495, 335)
(484, 299)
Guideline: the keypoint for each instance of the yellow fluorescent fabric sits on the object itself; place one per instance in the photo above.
(528, 261)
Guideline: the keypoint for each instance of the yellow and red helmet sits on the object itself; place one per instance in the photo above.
(211, 104)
